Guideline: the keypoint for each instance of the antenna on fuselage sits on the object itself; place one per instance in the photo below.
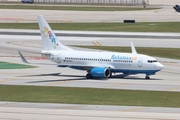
(133, 49)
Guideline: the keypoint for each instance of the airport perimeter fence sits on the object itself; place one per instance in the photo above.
(120, 2)
(105, 2)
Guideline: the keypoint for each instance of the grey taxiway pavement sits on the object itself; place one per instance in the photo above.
(165, 14)
(50, 75)
(46, 111)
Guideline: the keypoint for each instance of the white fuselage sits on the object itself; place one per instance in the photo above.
(127, 63)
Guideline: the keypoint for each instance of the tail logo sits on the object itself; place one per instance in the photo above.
(49, 34)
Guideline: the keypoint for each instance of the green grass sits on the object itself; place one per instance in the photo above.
(89, 96)
(76, 8)
(173, 53)
(125, 27)
(7, 65)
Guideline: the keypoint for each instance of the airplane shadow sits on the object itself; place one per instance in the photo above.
(131, 77)
(51, 74)
(74, 77)
(81, 77)
(58, 80)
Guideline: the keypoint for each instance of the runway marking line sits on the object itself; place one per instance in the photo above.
(175, 88)
(144, 21)
(116, 85)
(60, 82)
(106, 21)
(37, 58)
(11, 19)
(62, 21)
(71, 107)
(96, 43)
(8, 79)
(133, 109)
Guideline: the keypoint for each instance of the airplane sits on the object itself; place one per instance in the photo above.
(98, 64)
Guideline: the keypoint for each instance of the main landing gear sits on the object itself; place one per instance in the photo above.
(147, 77)
(89, 76)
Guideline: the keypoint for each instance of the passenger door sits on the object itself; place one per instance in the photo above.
(140, 62)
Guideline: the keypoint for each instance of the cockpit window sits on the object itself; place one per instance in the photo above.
(151, 61)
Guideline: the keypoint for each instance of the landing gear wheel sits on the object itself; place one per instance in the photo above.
(147, 77)
(88, 76)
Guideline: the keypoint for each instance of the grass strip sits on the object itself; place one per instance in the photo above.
(89, 96)
(123, 27)
(158, 52)
(7, 65)
(76, 8)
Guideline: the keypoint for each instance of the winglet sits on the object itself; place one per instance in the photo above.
(22, 57)
(133, 49)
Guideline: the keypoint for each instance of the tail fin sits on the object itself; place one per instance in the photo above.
(49, 39)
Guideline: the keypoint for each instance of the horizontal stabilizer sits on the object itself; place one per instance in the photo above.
(23, 58)
(25, 61)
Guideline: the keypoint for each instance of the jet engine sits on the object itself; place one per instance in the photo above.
(100, 72)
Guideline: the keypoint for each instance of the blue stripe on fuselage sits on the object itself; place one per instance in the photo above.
(148, 72)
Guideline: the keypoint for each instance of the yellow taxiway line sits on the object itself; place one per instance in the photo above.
(96, 43)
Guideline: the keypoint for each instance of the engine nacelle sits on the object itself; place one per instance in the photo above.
(100, 72)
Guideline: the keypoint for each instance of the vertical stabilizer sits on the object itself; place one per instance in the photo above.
(133, 49)
(49, 39)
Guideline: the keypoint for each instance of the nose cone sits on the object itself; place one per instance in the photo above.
(159, 66)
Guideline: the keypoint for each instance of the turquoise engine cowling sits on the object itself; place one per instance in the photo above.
(100, 72)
